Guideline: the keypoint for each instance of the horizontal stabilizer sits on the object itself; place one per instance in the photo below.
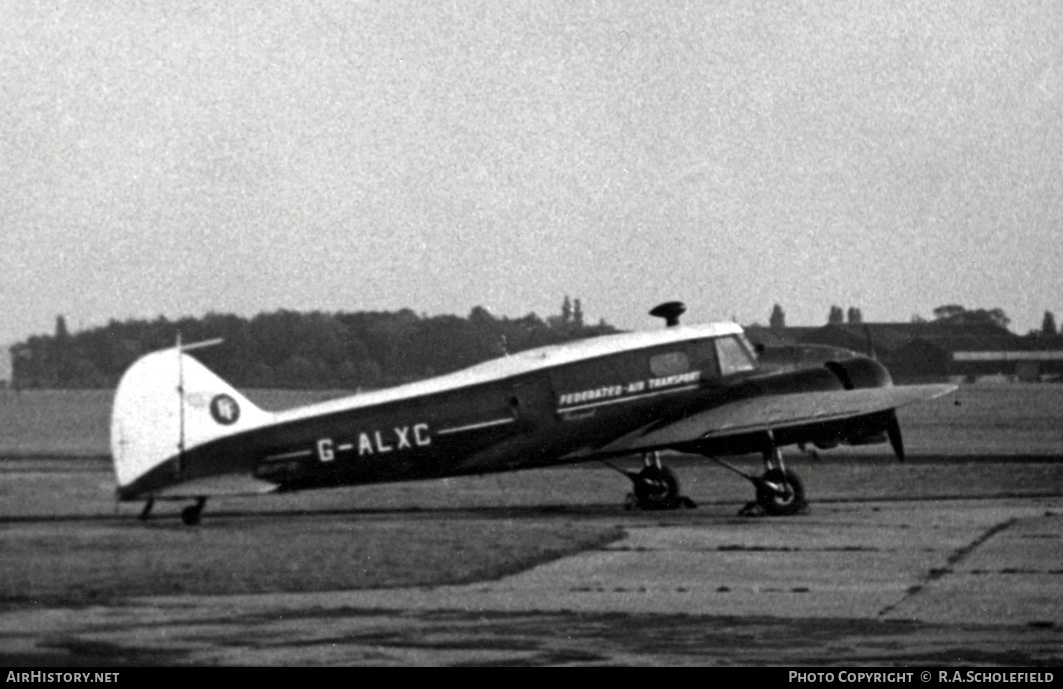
(224, 484)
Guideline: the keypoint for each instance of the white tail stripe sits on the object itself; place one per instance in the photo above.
(289, 455)
(475, 426)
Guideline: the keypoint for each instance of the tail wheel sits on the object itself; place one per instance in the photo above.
(787, 498)
(190, 515)
(656, 487)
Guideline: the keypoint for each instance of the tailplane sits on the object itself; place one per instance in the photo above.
(167, 403)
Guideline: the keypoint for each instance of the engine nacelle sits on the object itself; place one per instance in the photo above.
(857, 373)
(860, 372)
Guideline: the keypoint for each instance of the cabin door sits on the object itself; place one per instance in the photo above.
(532, 403)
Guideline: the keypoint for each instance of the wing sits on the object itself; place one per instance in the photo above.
(774, 412)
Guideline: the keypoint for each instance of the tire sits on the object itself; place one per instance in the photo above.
(778, 504)
(657, 488)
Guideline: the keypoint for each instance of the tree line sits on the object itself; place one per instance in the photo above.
(952, 314)
(289, 349)
(837, 316)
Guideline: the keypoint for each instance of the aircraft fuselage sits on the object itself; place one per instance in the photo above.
(564, 404)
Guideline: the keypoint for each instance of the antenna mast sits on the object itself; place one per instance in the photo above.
(181, 397)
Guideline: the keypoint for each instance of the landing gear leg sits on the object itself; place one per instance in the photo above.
(779, 490)
(190, 514)
(655, 486)
(147, 509)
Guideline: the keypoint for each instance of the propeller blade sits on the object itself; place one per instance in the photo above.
(893, 431)
(870, 342)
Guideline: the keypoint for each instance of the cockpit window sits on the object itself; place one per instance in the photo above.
(734, 356)
(748, 345)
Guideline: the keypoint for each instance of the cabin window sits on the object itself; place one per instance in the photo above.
(733, 355)
(669, 363)
(703, 357)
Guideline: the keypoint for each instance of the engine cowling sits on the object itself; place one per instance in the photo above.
(860, 372)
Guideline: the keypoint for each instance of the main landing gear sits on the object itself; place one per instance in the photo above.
(779, 490)
(655, 486)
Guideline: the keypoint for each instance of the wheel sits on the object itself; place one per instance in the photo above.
(657, 488)
(776, 503)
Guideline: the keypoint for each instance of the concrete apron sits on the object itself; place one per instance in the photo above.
(974, 562)
(984, 562)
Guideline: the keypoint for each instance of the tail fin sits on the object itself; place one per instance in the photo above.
(167, 403)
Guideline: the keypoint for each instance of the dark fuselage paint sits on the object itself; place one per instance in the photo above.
(568, 413)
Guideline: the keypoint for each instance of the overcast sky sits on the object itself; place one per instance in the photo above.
(177, 158)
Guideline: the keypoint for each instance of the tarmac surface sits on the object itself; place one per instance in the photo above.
(915, 583)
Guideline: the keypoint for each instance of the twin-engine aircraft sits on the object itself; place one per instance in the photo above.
(179, 432)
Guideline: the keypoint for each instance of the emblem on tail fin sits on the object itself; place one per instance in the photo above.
(224, 409)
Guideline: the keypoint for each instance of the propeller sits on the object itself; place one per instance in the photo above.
(870, 343)
(893, 432)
